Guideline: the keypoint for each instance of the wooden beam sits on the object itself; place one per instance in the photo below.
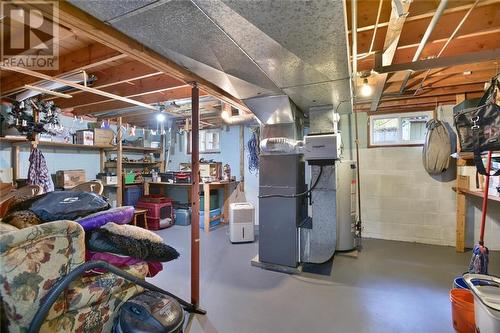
(137, 88)
(485, 40)
(390, 45)
(481, 19)
(82, 59)
(158, 97)
(119, 166)
(82, 23)
(460, 59)
(77, 86)
(127, 72)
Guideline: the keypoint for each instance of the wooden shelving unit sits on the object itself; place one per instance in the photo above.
(119, 165)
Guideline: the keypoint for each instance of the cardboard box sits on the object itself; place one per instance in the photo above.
(84, 137)
(103, 136)
(69, 178)
(109, 180)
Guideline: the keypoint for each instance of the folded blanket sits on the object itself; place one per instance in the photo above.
(119, 215)
(121, 261)
(130, 242)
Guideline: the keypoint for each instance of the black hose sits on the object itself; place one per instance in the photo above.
(298, 194)
(62, 284)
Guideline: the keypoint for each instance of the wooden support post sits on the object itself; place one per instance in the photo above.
(102, 159)
(206, 208)
(462, 182)
(242, 157)
(15, 163)
(195, 196)
(119, 167)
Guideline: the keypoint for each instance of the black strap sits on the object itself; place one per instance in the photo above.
(478, 161)
(490, 92)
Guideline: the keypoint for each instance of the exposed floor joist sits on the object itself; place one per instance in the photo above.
(84, 59)
(390, 46)
(82, 23)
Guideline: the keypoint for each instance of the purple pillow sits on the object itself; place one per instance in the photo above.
(119, 215)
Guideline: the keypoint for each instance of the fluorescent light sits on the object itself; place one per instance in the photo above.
(160, 117)
(47, 91)
(366, 89)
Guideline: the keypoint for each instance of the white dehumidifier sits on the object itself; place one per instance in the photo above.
(241, 222)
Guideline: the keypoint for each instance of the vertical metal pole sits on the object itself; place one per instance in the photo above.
(119, 163)
(195, 197)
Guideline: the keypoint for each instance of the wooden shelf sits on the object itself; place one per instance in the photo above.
(478, 194)
(57, 144)
(470, 156)
(113, 164)
(138, 149)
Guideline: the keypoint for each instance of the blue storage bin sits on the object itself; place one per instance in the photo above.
(182, 216)
(131, 195)
(213, 213)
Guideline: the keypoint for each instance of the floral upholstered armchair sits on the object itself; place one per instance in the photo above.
(31, 262)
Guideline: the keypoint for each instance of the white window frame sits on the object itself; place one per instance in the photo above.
(399, 116)
(202, 141)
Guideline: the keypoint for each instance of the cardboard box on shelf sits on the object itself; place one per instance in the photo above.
(84, 137)
(103, 136)
(69, 178)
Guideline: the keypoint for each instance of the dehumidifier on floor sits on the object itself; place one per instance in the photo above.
(241, 222)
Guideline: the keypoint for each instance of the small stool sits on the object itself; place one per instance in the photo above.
(140, 216)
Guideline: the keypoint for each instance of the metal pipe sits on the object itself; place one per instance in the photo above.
(195, 196)
(425, 38)
(354, 29)
(448, 42)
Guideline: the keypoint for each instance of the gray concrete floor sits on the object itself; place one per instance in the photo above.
(390, 287)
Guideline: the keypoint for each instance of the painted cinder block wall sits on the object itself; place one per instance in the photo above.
(401, 201)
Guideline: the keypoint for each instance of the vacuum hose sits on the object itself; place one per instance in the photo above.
(62, 284)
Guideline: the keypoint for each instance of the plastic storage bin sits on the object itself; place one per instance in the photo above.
(160, 214)
(486, 291)
(131, 195)
(213, 213)
(182, 216)
(214, 200)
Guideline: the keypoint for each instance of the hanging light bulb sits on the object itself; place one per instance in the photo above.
(160, 117)
(366, 89)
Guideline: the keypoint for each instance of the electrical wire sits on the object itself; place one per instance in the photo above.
(291, 196)
(253, 152)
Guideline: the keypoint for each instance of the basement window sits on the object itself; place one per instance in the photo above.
(398, 129)
(209, 141)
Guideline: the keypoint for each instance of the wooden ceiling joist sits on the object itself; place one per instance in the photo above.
(82, 23)
(132, 89)
(83, 59)
(390, 45)
(169, 95)
(75, 85)
(421, 65)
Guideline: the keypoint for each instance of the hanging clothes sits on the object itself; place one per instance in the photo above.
(38, 173)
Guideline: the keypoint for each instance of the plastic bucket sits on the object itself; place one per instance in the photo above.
(462, 310)
(460, 283)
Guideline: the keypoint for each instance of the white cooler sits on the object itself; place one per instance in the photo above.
(241, 222)
(486, 290)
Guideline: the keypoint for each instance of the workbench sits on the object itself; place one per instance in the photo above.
(227, 187)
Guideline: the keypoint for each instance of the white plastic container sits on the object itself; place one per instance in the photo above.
(486, 290)
(241, 222)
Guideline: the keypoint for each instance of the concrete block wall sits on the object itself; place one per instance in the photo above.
(400, 201)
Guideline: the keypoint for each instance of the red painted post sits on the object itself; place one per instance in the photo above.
(195, 196)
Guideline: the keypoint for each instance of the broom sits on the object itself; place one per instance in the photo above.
(479, 261)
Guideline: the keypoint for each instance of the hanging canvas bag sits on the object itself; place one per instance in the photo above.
(437, 147)
(478, 127)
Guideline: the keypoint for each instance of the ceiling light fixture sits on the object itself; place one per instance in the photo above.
(366, 89)
(160, 117)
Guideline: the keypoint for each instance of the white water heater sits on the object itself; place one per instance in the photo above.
(241, 222)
